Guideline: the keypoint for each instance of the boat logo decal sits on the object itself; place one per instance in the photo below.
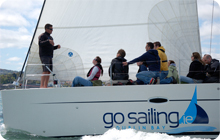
(194, 113)
(70, 54)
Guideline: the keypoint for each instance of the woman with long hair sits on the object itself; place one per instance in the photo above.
(196, 70)
(93, 74)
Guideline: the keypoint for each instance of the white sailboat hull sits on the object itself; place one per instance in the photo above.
(94, 110)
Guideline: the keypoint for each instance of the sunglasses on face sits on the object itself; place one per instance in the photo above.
(50, 29)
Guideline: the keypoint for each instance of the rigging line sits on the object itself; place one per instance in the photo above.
(211, 27)
(114, 25)
(186, 13)
(198, 25)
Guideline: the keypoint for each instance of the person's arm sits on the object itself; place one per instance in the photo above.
(52, 43)
(170, 73)
(57, 47)
(111, 67)
(138, 59)
(43, 40)
(191, 70)
(94, 71)
(215, 65)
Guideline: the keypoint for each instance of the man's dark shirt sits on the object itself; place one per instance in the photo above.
(45, 48)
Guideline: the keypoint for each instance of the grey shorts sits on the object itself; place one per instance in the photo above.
(47, 61)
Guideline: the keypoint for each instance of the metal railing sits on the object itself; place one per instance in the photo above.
(181, 71)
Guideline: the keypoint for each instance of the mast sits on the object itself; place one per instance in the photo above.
(211, 26)
(17, 82)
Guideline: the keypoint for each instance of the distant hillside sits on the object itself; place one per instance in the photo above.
(4, 71)
(7, 77)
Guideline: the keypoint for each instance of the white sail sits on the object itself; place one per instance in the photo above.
(91, 28)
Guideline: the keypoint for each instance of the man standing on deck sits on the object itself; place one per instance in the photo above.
(46, 47)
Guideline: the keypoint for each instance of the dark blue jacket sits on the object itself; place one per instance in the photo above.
(151, 58)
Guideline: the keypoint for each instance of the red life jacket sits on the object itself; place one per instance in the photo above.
(96, 77)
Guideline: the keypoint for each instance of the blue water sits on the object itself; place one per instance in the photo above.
(112, 134)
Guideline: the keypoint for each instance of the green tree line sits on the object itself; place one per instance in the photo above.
(10, 78)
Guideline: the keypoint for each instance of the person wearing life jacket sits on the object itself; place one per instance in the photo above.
(163, 59)
(94, 73)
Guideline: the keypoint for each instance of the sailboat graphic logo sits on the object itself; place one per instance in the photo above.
(194, 113)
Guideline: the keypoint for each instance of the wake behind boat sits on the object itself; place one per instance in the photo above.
(87, 28)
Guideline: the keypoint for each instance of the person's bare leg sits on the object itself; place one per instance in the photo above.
(46, 80)
(43, 78)
(42, 82)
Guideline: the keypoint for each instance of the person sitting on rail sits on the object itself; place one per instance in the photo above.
(212, 69)
(92, 76)
(172, 76)
(152, 60)
(117, 71)
(163, 59)
(142, 67)
(196, 70)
